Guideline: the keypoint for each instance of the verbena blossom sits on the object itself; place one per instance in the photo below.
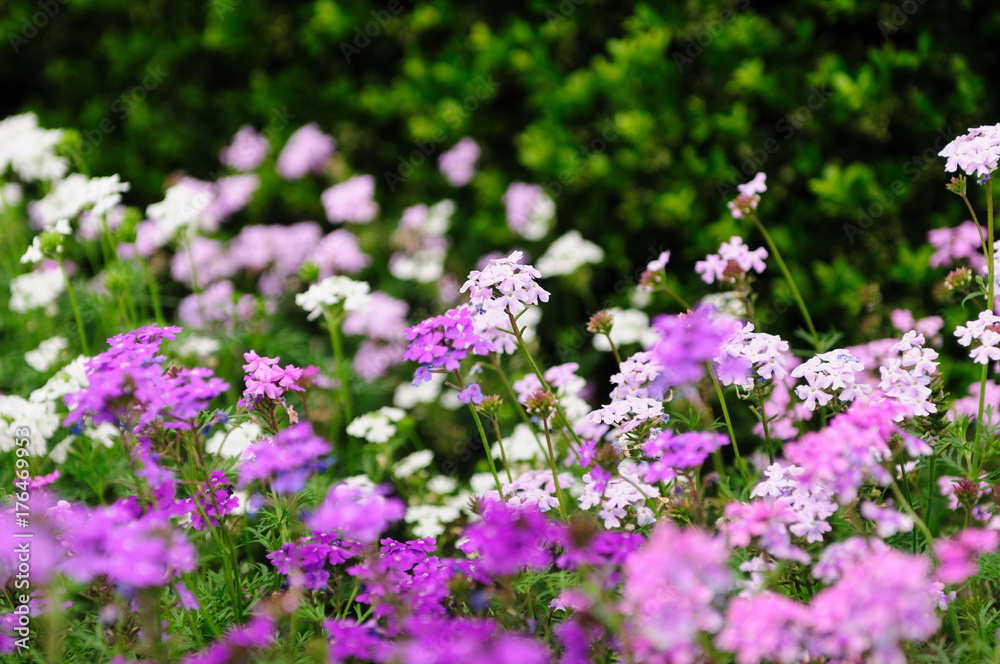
(29, 150)
(458, 164)
(378, 426)
(810, 506)
(47, 354)
(688, 341)
(907, 378)
(307, 150)
(673, 452)
(734, 259)
(215, 500)
(411, 463)
(37, 290)
(976, 152)
(672, 585)
(620, 497)
(356, 512)
(421, 242)
(838, 557)
(654, 272)
(448, 640)
(530, 210)
(266, 379)
(827, 375)
(324, 295)
(888, 520)
(765, 353)
(508, 539)
(534, 488)
(958, 555)
(749, 196)
(766, 628)
(569, 253)
(127, 384)
(875, 607)
(986, 330)
(767, 521)
(247, 150)
(352, 200)
(286, 461)
(442, 342)
(504, 287)
(74, 194)
(961, 243)
(852, 448)
(312, 556)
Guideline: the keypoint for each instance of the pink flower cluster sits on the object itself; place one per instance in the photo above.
(734, 258)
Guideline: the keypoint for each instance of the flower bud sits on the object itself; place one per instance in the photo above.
(542, 404)
(490, 407)
(601, 323)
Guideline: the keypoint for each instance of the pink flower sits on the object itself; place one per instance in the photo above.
(352, 200)
(306, 151)
(458, 164)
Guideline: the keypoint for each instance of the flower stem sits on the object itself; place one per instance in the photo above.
(555, 473)
(614, 349)
(482, 434)
(788, 278)
(729, 426)
(76, 310)
(513, 398)
(763, 421)
(980, 423)
(503, 454)
(338, 351)
(913, 515)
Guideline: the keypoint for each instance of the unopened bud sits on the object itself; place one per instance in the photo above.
(542, 404)
(490, 407)
(601, 323)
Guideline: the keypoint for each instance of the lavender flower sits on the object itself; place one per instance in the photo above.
(286, 461)
(357, 513)
(458, 164)
(307, 150)
(247, 150)
(352, 200)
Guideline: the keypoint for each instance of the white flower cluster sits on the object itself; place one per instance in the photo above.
(765, 353)
(47, 354)
(377, 426)
(520, 445)
(231, 444)
(535, 488)
(828, 373)
(34, 252)
(412, 463)
(569, 253)
(430, 520)
(985, 330)
(976, 152)
(906, 378)
(623, 495)
(714, 266)
(182, 207)
(811, 507)
(634, 375)
(37, 290)
(30, 150)
(503, 286)
(75, 194)
(422, 242)
(334, 290)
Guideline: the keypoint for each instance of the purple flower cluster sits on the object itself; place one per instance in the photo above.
(128, 385)
(688, 341)
(286, 461)
(352, 200)
(247, 150)
(458, 164)
(442, 342)
(266, 380)
(509, 539)
(673, 451)
(356, 512)
(308, 150)
(310, 556)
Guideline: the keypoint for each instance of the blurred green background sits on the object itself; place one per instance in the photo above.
(842, 103)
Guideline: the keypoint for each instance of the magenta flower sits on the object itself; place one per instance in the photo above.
(247, 150)
(266, 380)
(959, 554)
(688, 341)
(286, 461)
(673, 452)
(472, 393)
(356, 513)
(510, 539)
(442, 342)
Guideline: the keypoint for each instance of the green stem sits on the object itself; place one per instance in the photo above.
(513, 399)
(905, 504)
(482, 434)
(154, 292)
(555, 473)
(980, 423)
(763, 421)
(503, 454)
(788, 278)
(729, 426)
(614, 349)
(338, 351)
(76, 310)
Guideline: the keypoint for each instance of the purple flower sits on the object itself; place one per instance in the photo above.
(287, 460)
(678, 451)
(307, 150)
(959, 554)
(472, 393)
(266, 380)
(765, 628)
(442, 342)
(458, 164)
(352, 200)
(510, 539)
(356, 513)
(688, 341)
(311, 555)
(449, 640)
(247, 150)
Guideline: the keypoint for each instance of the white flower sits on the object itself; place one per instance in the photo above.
(429, 520)
(976, 152)
(77, 193)
(195, 345)
(520, 445)
(407, 395)
(36, 290)
(480, 483)
(34, 252)
(412, 463)
(47, 354)
(568, 253)
(631, 326)
(181, 208)
(71, 378)
(233, 443)
(11, 195)
(333, 290)
(442, 484)
(377, 426)
(17, 414)
(29, 150)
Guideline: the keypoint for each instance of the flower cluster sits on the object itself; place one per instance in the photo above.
(830, 374)
(986, 330)
(749, 197)
(442, 342)
(907, 378)
(504, 288)
(975, 152)
(336, 290)
(286, 461)
(766, 354)
(734, 259)
(265, 379)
